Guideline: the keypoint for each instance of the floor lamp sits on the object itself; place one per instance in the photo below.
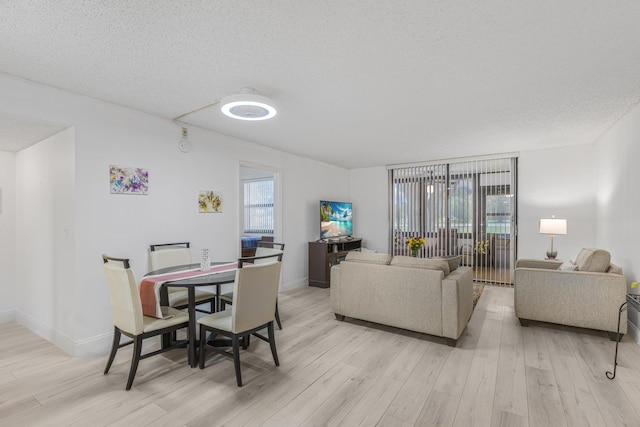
(553, 226)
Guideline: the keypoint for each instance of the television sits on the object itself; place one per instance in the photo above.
(336, 219)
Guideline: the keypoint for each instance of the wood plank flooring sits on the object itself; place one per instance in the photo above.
(339, 373)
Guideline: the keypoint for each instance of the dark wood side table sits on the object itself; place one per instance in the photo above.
(633, 301)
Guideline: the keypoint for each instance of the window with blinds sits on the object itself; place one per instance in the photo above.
(258, 206)
(462, 208)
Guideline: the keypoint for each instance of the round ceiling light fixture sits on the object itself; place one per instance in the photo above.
(248, 105)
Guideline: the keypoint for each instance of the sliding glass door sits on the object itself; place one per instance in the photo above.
(465, 208)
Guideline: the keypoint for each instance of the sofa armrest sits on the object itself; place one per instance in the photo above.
(457, 302)
(548, 264)
(575, 298)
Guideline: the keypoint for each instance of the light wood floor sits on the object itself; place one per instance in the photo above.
(347, 373)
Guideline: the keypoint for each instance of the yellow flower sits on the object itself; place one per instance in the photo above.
(635, 284)
(481, 247)
(415, 243)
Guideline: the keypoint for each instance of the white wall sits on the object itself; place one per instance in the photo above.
(45, 189)
(370, 197)
(618, 202)
(7, 236)
(558, 182)
(125, 225)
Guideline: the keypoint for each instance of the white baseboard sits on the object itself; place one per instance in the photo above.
(7, 316)
(94, 346)
(46, 332)
(294, 285)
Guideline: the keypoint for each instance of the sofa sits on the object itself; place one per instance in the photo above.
(586, 292)
(431, 296)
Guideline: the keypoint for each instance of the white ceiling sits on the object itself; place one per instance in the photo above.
(358, 83)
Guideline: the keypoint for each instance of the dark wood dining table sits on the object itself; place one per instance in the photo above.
(213, 279)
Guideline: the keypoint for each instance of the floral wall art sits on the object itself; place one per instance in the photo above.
(209, 201)
(123, 180)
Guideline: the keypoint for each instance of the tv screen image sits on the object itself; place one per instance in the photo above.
(335, 219)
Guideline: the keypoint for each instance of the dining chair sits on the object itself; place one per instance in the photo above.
(265, 253)
(256, 291)
(171, 255)
(129, 320)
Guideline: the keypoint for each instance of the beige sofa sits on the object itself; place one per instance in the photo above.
(421, 295)
(586, 293)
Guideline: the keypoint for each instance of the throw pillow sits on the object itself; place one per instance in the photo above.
(568, 266)
(594, 260)
(453, 261)
(368, 258)
(426, 263)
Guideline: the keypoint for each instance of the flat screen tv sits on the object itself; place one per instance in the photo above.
(335, 219)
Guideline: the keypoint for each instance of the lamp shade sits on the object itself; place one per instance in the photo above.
(553, 226)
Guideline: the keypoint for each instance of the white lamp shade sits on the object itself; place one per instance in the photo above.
(553, 226)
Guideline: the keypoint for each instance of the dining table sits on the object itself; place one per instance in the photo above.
(216, 279)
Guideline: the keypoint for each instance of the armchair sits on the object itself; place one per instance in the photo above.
(586, 293)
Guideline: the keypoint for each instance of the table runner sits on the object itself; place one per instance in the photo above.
(150, 286)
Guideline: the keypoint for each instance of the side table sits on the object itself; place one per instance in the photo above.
(634, 301)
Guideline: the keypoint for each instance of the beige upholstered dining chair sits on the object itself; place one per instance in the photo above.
(173, 254)
(266, 252)
(128, 318)
(256, 291)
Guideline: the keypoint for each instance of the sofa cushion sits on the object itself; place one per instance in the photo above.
(368, 258)
(453, 261)
(594, 260)
(614, 269)
(426, 263)
(568, 266)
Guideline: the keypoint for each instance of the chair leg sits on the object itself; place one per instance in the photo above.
(137, 351)
(272, 343)
(114, 348)
(245, 341)
(278, 316)
(236, 359)
(203, 345)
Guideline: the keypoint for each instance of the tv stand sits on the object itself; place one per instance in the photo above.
(323, 254)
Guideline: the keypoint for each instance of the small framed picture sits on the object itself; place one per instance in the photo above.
(125, 180)
(209, 201)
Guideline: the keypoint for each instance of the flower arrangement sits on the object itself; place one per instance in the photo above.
(415, 243)
(481, 247)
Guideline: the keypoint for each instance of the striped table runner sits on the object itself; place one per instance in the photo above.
(150, 286)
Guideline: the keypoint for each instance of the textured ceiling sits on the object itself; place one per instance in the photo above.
(358, 83)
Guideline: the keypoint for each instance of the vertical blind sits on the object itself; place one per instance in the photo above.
(258, 206)
(462, 208)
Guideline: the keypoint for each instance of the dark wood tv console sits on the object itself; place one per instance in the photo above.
(323, 254)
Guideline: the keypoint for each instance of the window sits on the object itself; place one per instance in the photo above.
(258, 206)
(456, 207)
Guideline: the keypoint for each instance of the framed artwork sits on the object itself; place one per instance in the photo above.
(209, 201)
(124, 180)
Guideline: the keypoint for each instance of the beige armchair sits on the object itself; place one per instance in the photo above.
(586, 293)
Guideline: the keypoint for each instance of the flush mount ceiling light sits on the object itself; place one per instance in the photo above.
(248, 105)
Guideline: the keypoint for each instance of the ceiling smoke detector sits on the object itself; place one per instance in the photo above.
(248, 105)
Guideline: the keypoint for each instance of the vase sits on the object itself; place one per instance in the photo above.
(205, 261)
(414, 252)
